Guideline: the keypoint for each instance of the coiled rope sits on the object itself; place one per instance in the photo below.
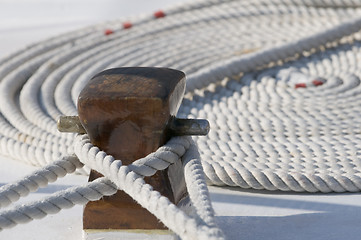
(278, 80)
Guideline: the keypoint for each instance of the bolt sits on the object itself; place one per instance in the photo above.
(177, 126)
(70, 124)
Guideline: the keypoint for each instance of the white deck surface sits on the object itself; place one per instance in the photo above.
(242, 214)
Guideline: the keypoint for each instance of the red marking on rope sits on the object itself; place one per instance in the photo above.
(127, 25)
(300, 85)
(159, 14)
(108, 32)
(317, 82)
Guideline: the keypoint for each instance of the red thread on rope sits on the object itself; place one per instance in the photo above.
(317, 82)
(108, 32)
(300, 85)
(159, 14)
(127, 25)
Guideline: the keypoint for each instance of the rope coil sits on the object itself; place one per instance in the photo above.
(278, 80)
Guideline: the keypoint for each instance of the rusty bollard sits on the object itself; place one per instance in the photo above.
(129, 113)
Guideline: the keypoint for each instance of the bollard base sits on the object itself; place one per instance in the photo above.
(135, 234)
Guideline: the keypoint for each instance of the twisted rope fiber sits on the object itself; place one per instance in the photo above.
(50, 75)
(265, 134)
(13, 192)
(131, 182)
(196, 186)
(204, 227)
(55, 202)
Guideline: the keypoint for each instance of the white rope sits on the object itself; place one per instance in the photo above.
(194, 47)
(55, 202)
(40, 178)
(196, 186)
(278, 80)
(127, 178)
(131, 182)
